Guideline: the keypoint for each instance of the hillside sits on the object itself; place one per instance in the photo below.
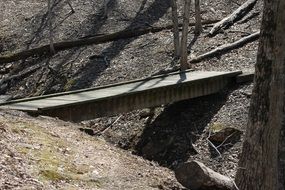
(153, 144)
(45, 153)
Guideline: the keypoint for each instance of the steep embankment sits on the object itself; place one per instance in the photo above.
(45, 153)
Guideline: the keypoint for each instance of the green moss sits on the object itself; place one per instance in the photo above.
(69, 84)
(51, 163)
(216, 127)
(52, 175)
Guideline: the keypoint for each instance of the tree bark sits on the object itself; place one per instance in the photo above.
(175, 28)
(198, 19)
(262, 162)
(52, 50)
(183, 59)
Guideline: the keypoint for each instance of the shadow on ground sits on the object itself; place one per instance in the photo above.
(169, 138)
(90, 69)
(148, 17)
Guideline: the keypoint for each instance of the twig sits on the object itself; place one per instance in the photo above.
(110, 126)
(235, 185)
(19, 75)
(213, 144)
(69, 4)
(214, 147)
(226, 139)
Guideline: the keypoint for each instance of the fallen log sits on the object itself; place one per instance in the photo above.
(248, 17)
(60, 46)
(195, 175)
(232, 18)
(18, 76)
(226, 47)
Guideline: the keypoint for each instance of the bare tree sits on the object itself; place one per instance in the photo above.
(52, 50)
(262, 162)
(186, 15)
(198, 24)
(175, 28)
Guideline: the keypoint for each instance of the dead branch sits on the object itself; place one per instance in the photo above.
(251, 15)
(195, 175)
(70, 6)
(20, 75)
(232, 18)
(60, 46)
(108, 126)
(212, 145)
(226, 47)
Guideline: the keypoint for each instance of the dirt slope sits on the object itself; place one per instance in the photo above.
(174, 134)
(45, 153)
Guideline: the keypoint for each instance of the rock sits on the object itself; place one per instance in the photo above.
(220, 133)
(195, 175)
(146, 113)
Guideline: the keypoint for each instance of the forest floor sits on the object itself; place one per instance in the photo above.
(175, 133)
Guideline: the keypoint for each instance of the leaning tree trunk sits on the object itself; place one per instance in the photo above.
(183, 60)
(262, 163)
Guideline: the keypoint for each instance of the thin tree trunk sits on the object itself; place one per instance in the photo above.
(262, 163)
(175, 28)
(198, 25)
(52, 50)
(183, 60)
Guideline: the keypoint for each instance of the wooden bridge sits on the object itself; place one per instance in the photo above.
(123, 97)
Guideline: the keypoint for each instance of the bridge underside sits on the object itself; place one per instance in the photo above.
(118, 98)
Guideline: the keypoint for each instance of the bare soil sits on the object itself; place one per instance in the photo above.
(175, 133)
(45, 153)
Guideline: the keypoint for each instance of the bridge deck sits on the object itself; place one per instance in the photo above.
(121, 97)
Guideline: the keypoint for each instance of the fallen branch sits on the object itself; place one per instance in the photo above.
(251, 15)
(212, 145)
(232, 18)
(60, 46)
(195, 175)
(21, 74)
(17, 76)
(108, 126)
(226, 47)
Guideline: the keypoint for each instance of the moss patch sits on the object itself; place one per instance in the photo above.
(216, 127)
(52, 155)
